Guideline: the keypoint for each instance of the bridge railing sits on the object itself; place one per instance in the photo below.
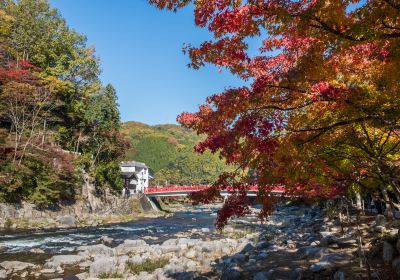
(171, 189)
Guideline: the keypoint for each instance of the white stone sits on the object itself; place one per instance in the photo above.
(61, 260)
(16, 265)
(102, 265)
(3, 274)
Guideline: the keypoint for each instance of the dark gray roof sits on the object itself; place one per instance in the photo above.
(129, 175)
(133, 164)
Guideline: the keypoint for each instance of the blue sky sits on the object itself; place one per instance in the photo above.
(140, 48)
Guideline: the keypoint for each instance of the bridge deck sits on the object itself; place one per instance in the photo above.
(186, 190)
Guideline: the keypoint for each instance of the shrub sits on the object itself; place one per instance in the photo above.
(106, 275)
(148, 265)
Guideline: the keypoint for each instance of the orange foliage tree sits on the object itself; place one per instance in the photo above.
(322, 111)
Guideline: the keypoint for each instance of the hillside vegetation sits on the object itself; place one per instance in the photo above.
(168, 151)
(57, 120)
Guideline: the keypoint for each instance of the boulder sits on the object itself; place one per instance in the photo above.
(312, 252)
(319, 266)
(172, 241)
(396, 266)
(284, 273)
(262, 256)
(262, 275)
(205, 230)
(66, 221)
(387, 252)
(232, 273)
(134, 243)
(3, 274)
(263, 245)
(106, 240)
(61, 260)
(37, 251)
(48, 271)
(102, 265)
(136, 259)
(240, 258)
(170, 249)
(95, 250)
(16, 266)
(379, 229)
(131, 246)
(328, 240)
(337, 258)
(191, 254)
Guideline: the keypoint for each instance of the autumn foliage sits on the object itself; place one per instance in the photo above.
(321, 114)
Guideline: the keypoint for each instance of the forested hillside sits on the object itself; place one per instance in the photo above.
(168, 151)
(57, 120)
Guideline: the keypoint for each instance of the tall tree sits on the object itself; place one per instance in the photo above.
(324, 68)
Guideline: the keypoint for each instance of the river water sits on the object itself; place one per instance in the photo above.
(18, 243)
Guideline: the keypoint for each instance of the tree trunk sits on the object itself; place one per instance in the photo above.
(388, 204)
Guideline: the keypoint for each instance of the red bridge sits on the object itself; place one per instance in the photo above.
(186, 190)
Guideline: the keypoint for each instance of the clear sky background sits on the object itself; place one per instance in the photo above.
(140, 48)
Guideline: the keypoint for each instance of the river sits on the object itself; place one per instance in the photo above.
(16, 244)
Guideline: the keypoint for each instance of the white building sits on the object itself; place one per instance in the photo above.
(136, 177)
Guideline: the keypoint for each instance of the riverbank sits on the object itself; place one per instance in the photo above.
(297, 242)
(102, 211)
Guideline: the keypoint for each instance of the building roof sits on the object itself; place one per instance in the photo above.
(133, 163)
(129, 175)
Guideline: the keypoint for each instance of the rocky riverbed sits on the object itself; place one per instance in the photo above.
(297, 242)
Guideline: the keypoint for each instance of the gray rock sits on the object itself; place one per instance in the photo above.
(328, 240)
(106, 240)
(208, 246)
(387, 252)
(102, 265)
(205, 230)
(232, 273)
(66, 221)
(48, 271)
(396, 266)
(95, 250)
(61, 260)
(131, 246)
(172, 241)
(319, 266)
(262, 275)
(16, 266)
(262, 255)
(263, 245)
(191, 254)
(170, 248)
(337, 258)
(134, 243)
(136, 259)
(284, 273)
(229, 229)
(380, 220)
(379, 229)
(339, 275)
(240, 257)
(3, 274)
(37, 251)
(312, 252)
